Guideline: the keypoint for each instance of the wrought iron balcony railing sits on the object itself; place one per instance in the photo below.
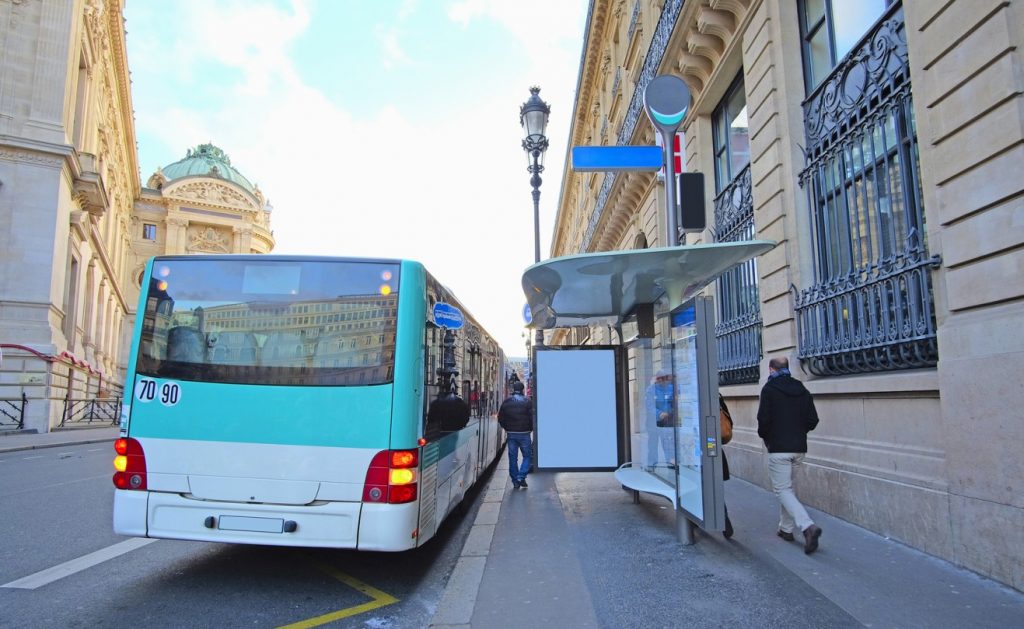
(870, 307)
(738, 330)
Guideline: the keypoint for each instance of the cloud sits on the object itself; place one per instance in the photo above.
(407, 9)
(545, 28)
(391, 50)
(251, 37)
(451, 191)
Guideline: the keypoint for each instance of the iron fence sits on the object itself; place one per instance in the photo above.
(738, 329)
(12, 413)
(877, 323)
(90, 411)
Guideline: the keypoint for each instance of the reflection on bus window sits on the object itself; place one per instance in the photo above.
(242, 321)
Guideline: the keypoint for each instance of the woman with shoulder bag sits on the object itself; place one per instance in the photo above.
(725, 417)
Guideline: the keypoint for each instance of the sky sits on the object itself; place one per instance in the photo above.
(381, 128)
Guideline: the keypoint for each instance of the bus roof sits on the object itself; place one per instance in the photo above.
(281, 258)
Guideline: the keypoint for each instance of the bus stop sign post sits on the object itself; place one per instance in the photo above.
(666, 101)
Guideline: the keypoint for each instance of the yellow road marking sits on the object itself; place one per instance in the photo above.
(379, 599)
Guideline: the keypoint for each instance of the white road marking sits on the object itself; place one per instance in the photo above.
(26, 458)
(69, 568)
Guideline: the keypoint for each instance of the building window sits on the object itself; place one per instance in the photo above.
(738, 329)
(731, 137)
(831, 29)
(870, 307)
(148, 231)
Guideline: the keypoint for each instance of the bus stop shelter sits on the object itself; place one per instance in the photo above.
(648, 412)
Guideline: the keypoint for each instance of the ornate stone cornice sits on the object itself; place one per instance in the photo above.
(90, 193)
(720, 24)
(652, 61)
(590, 64)
(210, 193)
(87, 185)
(115, 25)
(29, 157)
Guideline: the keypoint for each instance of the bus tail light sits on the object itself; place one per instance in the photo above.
(130, 465)
(392, 477)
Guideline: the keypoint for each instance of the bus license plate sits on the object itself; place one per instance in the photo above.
(244, 523)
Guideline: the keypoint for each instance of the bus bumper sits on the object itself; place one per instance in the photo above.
(130, 512)
(389, 527)
(327, 525)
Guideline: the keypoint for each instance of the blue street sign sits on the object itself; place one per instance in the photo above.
(527, 315)
(616, 158)
(447, 316)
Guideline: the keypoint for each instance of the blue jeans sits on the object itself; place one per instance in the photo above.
(519, 441)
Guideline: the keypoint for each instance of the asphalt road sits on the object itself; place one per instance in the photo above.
(56, 512)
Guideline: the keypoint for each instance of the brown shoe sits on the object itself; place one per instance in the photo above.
(811, 535)
(786, 535)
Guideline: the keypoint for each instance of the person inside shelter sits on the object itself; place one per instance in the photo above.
(660, 405)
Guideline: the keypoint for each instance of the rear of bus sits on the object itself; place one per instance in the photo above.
(262, 405)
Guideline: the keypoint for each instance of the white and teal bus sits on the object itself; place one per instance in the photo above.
(302, 401)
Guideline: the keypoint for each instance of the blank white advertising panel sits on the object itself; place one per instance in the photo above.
(576, 409)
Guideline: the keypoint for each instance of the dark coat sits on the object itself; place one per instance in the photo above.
(722, 406)
(516, 414)
(785, 415)
(447, 413)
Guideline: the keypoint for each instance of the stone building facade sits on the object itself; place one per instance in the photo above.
(76, 224)
(880, 145)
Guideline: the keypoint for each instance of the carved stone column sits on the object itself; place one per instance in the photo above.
(109, 345)
(101, 320)
(242, 240)
(89, 339)
(50, 66)
(177, 233)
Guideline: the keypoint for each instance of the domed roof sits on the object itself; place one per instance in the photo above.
(206, 160)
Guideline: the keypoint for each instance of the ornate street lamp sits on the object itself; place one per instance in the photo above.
(533, 116)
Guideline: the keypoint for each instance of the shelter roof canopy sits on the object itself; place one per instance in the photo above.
(605, 287)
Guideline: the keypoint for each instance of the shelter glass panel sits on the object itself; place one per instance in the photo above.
(686, 416)
(652, 409)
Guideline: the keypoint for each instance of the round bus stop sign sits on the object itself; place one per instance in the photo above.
(527, 315)
(447, 316)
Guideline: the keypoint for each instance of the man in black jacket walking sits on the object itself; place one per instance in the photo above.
(516, 417)
(784, 417)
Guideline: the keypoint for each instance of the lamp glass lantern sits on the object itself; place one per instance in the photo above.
(533, 116)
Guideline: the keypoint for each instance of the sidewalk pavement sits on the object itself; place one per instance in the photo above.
(573, 550)
(12, 441)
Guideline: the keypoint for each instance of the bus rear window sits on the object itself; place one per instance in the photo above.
(279, 322)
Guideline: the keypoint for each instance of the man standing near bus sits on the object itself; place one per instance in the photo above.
(516, 417)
